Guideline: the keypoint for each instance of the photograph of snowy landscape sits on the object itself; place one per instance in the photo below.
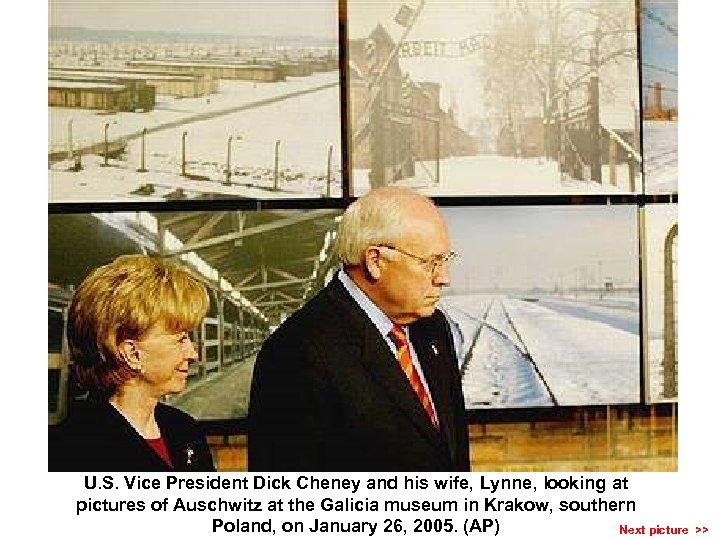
(231, 99)
(495, 97)
(545, 305)
(659, 52)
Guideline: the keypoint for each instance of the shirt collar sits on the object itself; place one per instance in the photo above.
(381, 321)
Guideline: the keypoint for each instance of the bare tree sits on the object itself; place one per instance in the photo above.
(559, 44)
(561, 58)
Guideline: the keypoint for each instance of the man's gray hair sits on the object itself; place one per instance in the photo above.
(376, 218)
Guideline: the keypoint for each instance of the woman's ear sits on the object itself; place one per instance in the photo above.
(130, 354)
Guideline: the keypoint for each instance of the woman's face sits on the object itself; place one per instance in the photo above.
(165, 357)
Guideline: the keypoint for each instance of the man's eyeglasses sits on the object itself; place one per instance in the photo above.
(431, 264)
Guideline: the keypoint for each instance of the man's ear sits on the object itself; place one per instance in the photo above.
(373, 263)
(129, 353)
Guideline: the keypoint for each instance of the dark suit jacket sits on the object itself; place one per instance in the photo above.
(97, 438)
(328, 395)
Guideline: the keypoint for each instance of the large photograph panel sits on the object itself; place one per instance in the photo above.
(545, 305)
(156, 101)
(494, 97)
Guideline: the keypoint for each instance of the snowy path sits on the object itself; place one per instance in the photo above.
(486, 174)
(499, 372)
(527, 354)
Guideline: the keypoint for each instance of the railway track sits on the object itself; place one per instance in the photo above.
(498, 369)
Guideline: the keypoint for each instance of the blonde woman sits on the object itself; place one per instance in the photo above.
(128, 334)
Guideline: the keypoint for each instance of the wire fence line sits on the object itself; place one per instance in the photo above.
(654, 17)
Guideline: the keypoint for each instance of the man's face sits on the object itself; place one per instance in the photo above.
(412, 272)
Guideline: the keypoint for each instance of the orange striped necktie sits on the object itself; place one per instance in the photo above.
(399, 338)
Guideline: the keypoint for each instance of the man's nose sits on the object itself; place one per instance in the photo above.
(442, 276)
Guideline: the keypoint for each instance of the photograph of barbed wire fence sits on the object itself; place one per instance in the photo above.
(231, 99)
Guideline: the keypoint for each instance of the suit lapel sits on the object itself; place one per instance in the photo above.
(379, 361)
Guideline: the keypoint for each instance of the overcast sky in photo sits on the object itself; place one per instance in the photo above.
(449, 20)
(315, 18)
(541, 246)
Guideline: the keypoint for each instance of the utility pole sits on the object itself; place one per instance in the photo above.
(70, 140)
(142, 151)
(329, 171)
(228, 172)
(107, 150)
(182, 154)
(275, 170)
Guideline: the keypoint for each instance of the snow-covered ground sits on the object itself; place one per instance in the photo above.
(583, 361)
(498, 372)
(88, 125)
(525, 354)
(302, 113)
(622, 315)
(500, 175)
(120, 182)
(660, 149)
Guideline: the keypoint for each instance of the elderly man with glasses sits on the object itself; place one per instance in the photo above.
(364, 377)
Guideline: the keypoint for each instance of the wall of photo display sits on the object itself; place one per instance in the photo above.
(545, 132)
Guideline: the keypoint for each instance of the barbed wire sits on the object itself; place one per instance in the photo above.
(658, 68)
(659, 20)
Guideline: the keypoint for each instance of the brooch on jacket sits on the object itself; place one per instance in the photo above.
(189, 453)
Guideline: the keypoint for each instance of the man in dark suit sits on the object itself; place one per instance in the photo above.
(339, 386)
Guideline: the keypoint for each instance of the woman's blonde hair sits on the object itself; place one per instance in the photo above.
(124, 300)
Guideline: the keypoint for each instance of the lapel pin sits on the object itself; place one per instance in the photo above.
(434, 348)
(189, 453)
